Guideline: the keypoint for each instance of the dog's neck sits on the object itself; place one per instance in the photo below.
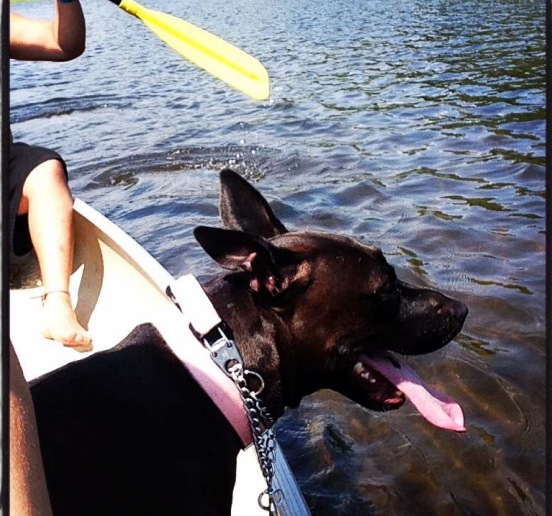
(258, 336)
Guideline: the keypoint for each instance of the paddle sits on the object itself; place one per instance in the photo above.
(216, 56)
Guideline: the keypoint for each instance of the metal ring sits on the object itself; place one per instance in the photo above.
(259, 377)
(260, 501)
(275, 499)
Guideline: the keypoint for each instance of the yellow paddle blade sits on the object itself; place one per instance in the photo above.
(216, 56)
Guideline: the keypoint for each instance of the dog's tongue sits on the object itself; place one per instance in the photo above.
(437, 408)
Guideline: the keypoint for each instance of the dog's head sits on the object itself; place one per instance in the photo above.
(335, 307)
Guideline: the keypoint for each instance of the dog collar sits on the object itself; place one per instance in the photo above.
(192, 300)
(206, 326)
(190, 297)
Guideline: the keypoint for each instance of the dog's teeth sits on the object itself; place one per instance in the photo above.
(366, 375)
(372, 380)
(359, 368)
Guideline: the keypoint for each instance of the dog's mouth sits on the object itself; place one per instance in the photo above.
(387, 382)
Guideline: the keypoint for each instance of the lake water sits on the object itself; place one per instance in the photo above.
(417, 126)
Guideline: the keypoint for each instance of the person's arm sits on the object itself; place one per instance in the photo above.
(60, 39)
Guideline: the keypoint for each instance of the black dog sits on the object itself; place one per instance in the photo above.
(128, 431)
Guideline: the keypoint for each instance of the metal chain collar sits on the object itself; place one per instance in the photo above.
(225, 353)
(260, 421)
(227, 356)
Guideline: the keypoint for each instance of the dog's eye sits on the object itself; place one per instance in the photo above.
(389, 294)
(389, 300)
(388, 289)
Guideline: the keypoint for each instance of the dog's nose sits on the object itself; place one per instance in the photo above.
(462, 311)
(458, 311)
(449, 308)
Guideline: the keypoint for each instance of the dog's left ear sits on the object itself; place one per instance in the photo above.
(243, 208)
(236, 250)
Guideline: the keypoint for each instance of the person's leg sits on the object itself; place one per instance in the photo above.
(48, 202)
(28, 491)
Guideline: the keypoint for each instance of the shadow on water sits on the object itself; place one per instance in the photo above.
(417, 127)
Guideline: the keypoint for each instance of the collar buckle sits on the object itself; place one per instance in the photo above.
(223, 349)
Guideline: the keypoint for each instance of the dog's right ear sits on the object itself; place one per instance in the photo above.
(236, 250)
(243, 208)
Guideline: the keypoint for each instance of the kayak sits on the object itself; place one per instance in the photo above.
(115, 286)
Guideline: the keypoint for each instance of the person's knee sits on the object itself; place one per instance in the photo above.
(47, 179)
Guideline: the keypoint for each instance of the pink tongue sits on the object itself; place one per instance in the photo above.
(437, 408)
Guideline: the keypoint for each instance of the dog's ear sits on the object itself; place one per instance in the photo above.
(236, 250)
(243, 208)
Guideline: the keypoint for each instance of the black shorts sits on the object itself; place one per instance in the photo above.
(23, 160)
